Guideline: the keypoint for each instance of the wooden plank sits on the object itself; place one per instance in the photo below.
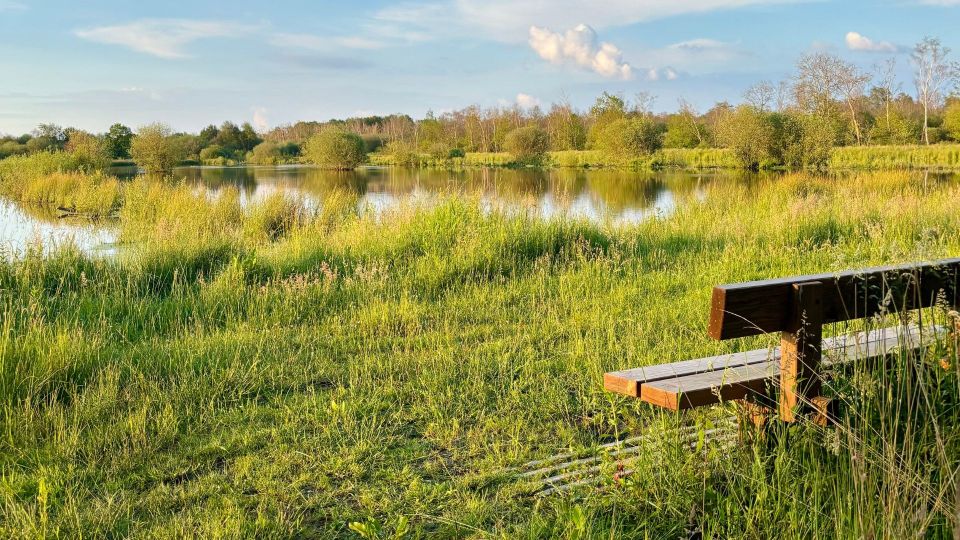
(800, 345)
(760, 307)
(628, 381)
(738, 382)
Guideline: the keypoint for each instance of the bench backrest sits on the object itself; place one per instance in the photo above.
(761, 307)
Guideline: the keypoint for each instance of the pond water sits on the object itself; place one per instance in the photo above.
(617, 196)
(620, 196)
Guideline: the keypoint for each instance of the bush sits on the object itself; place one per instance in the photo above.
(90, 152)
(438, 151)
(155, 149)
(527, 144)
(630, 138)
(748, 133)
(265, 153)
(12, 148)
(212, 152)
(456, 153)
(951, 120)
(335, 150)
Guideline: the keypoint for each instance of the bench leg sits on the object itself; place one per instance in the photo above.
(800, 350)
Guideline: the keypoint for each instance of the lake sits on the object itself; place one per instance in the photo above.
(615, 196)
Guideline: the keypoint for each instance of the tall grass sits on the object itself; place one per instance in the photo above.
(55, 179)
(942, 156)
(274, 371)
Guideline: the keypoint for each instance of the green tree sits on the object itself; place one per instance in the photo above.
(118, 140)
(951, 119)
(155, 149)
(527, 144)
(265, 153)
(629, 138)
(230, 138)
(335, 149)
(749, 134)
(607, 109)
(89, 150)
(682, 132)
(248, 137)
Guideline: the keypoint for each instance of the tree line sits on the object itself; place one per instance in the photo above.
(827, 102)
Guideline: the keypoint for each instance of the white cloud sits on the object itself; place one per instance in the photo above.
(579, 46)
(260, 120)
(509, 20)
(164, 38)
(859, 42)
(526, 101)
(667, 73)
(12, 5)
(945, 3)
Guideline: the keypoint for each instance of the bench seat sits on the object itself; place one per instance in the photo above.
(705, 381)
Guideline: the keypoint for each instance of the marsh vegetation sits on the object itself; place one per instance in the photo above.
(290, 366)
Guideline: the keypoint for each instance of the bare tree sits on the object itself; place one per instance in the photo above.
(783, 95)
(887, 82)
(932, 72)
(643, 102)
(823, 77)
(760, 95)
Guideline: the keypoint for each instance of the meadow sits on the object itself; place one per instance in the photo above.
(895, 157)
(281, 369)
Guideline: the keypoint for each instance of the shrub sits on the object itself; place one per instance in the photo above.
(527, 144)
(951, 120)
(90, 152)
(265, 153)
(439, 151)
(401, 153)
(155, 149)
(456, 153)
(335, 150)
(748, 133)
(630, 138)
(212, 152)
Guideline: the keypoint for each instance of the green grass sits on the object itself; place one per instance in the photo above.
(275, 371)
(939, 156)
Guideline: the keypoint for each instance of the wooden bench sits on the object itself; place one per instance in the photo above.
(797, 307)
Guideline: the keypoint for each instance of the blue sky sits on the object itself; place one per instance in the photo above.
(192, 63)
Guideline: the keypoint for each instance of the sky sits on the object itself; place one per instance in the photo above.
(193, 63)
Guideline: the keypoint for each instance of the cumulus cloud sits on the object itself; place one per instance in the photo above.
(260, 120)
(669, 74)
(859, 42)
(164, 38)
(527, 101)
(579, 46)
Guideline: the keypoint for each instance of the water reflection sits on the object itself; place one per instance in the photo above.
(23, 227)
(620, 196)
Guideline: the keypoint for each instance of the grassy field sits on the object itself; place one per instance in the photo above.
(278, 371)
(939, 156)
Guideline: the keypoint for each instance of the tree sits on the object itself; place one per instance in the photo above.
(951, 119)
(248, 137)
(229, 137)
(932, 72)
(155, 149)
(760, 95)
(823, 77)
(565, 128)
(89, 150)
(265, 153)
(527, 144)
(117, 141)
(630, 138)
(886, 87)
(55, 135)
(750, 135)
(335, 149)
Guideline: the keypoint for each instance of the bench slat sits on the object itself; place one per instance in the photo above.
(705, 381)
